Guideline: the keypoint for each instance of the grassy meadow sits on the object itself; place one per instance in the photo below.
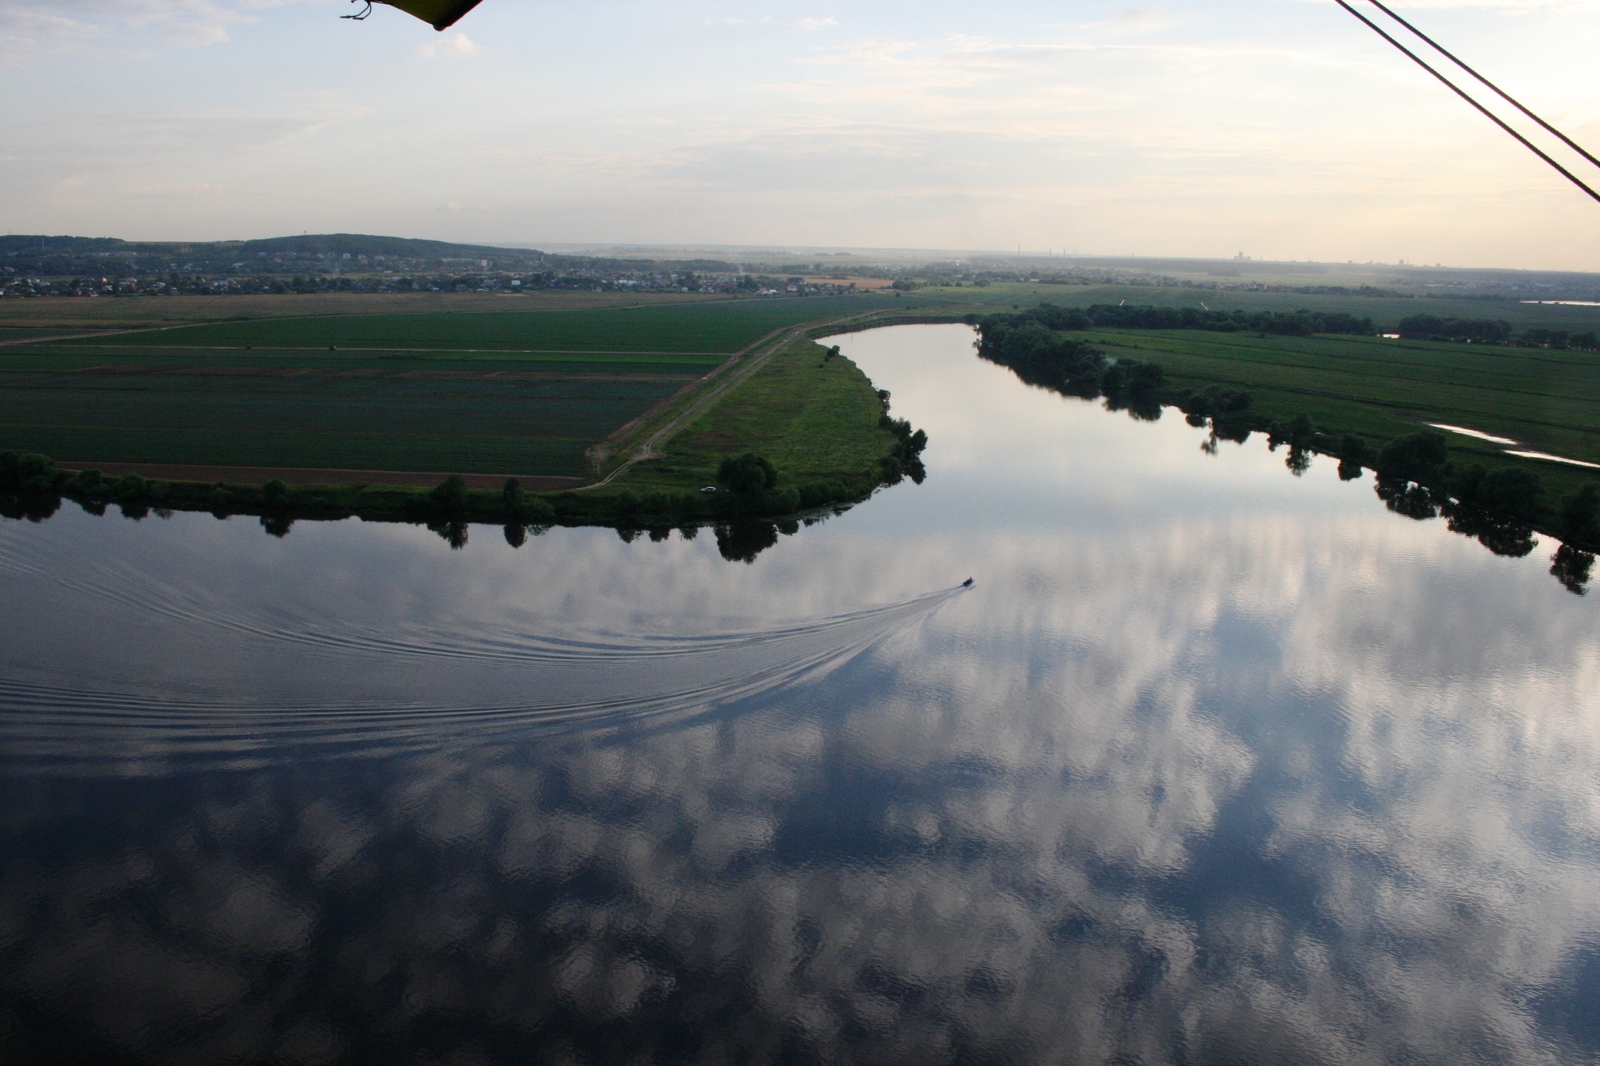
(815, 418)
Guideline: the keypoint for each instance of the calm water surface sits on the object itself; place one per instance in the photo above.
(1214, 764)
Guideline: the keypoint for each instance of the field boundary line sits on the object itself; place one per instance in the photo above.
(71, 337)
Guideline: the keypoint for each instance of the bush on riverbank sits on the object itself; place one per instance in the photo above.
(32, 486)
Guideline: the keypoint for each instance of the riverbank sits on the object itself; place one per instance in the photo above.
(1418, 475)
(810, 414)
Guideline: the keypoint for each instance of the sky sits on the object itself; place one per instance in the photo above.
(1282, 129)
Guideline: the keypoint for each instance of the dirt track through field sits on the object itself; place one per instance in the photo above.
(740, 374)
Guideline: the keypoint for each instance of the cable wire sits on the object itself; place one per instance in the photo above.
(1507, 97)
(1490, 115)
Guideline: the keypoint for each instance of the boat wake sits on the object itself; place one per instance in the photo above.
(305, 682)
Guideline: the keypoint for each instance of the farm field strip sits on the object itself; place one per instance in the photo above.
(355, 351)
(551, 371)
(1486, 406)
(96, 376)
(709, 328)
(1386, 389)
(138, 353)
(1373, 355)
(1430, 354)
(1385, 311)
(1539, 374)
(466, 408)
(1382, 389)
(442, 453)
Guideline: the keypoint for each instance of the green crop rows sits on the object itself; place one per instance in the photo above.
(520, 393)
(713, 327)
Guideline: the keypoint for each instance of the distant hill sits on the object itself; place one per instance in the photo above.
(37, 253)
(58, 255)
(354, 244)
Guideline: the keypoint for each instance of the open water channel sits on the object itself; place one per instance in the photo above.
(1213, 764)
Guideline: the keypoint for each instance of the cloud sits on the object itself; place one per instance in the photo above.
(1166, 129)
(454, 45)
(186, 23)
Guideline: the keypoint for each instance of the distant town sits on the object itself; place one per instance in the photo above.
(41, 266)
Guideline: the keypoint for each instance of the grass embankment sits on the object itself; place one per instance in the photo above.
(813, 415)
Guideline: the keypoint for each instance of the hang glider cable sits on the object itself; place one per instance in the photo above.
(1507, 97)
(1490, 115)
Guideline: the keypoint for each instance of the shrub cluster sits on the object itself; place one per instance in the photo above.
(905, 458)
(1435, 328)
(1493, 331)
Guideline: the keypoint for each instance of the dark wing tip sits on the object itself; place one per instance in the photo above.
(454, 15)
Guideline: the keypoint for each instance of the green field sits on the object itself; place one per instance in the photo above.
(451, 416)
(526, 391)
(521, 393)
(1385, 311)
(1381, 389)
(724, 327)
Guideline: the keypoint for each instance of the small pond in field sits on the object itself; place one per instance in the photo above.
(1212, 763)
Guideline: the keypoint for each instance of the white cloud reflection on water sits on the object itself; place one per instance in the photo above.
(1301, 781)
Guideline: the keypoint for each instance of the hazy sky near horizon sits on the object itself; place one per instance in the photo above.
(1280, 128)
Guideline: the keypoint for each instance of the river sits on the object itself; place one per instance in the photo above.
(1212, 763)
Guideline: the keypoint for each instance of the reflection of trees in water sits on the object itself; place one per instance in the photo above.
(454, 532)
(1503, 536)
(1408, 498)
(1140, 407)
(1572, 568)
(741, 541)
(34, 507)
